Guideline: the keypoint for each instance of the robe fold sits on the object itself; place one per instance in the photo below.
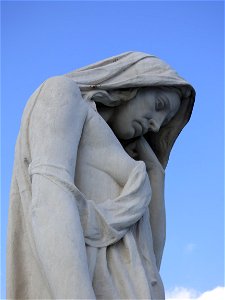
(79, 223)
(79, 206)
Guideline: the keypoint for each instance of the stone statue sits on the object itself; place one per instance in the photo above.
(87, 213)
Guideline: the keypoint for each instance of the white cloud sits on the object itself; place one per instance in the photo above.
(182, 293)
(216, 294)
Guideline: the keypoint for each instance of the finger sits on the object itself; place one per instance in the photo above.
(131, 150)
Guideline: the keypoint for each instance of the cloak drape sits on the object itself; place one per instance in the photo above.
(78, 218)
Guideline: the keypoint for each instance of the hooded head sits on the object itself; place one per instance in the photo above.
(119, 78)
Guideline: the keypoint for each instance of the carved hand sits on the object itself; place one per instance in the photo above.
(140, 150)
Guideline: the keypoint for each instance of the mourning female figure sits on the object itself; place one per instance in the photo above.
(87, 212)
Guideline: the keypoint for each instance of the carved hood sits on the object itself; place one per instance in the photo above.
(137, 69)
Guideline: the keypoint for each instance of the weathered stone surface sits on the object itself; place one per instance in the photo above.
(87, 213)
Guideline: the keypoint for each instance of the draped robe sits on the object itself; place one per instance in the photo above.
(78, 218)
(79, 222)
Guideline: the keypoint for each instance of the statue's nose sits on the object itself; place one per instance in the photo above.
(153, 125)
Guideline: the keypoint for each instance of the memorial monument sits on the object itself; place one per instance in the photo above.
(87, 211)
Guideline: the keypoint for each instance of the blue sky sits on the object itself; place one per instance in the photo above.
(43, 39)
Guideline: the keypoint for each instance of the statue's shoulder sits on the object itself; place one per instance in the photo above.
(60, 91)
(61, 85)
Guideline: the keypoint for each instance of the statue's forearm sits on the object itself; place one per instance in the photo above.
(57, 234)
(157, 212)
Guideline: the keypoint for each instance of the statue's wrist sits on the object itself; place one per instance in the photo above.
(155, 169)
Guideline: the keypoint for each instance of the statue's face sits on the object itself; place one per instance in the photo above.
(147, 111)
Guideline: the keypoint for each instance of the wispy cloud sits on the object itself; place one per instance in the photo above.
(182, 293)
(189, 248)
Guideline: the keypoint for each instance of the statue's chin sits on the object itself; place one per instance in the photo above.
(125, 135)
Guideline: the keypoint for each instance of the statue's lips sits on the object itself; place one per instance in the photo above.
(139, 128)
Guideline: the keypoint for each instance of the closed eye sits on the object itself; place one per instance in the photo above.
(160, 104)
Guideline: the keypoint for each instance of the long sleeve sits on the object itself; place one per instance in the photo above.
(54, 132)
